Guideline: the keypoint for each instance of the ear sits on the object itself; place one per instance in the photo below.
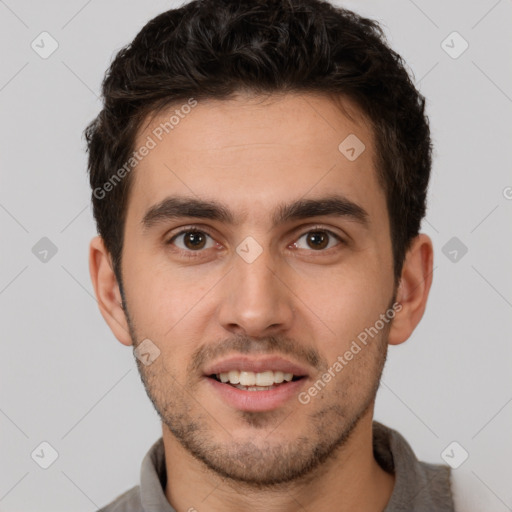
(413, 290)
(107, 290)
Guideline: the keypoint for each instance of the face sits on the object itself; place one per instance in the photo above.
(257, 252)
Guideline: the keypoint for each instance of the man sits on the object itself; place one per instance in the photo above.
(259, 174)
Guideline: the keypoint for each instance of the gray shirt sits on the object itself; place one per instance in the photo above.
(419, 486)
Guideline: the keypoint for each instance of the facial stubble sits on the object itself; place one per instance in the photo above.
(269, 461)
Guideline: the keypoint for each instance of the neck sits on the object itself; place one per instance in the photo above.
(350, 480)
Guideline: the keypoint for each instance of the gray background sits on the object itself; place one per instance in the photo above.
(67, 381)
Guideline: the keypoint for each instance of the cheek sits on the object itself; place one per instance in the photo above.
(343, 302)
(166, 303)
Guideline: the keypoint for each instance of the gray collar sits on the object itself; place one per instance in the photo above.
(419, 486)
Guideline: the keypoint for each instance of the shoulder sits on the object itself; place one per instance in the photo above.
(129, 501)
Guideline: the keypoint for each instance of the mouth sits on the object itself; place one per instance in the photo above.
(256, 384)
(252, 381)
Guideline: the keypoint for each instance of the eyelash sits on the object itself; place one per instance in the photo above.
(197, 254)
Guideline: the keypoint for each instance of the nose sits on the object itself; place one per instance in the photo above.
(257, 300)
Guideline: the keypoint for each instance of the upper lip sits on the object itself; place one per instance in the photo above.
(256, 365)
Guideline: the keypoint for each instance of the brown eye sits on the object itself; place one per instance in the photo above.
(317, 240)
(191, 240)
(194, 240)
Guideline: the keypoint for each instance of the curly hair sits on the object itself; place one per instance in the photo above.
(217, 48)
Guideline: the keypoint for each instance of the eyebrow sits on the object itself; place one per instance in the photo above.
(176, 207)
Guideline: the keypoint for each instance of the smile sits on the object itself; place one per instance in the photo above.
(255, 381)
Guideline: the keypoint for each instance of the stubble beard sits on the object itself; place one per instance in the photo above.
(265, 464)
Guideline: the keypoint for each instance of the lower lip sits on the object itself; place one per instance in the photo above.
(257, 401)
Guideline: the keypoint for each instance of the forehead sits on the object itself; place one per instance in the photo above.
(257, 151)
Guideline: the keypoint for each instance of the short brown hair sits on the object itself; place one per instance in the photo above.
(216, 48)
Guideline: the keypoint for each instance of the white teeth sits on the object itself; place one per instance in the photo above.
(253, 388)
(278, 377)
(265, 379)
(247, 378)
(254, 380)
(233, 376)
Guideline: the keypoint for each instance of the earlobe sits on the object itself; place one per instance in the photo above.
(107, 290)
(413, 290)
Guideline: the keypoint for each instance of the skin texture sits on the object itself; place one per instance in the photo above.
(304, 303)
